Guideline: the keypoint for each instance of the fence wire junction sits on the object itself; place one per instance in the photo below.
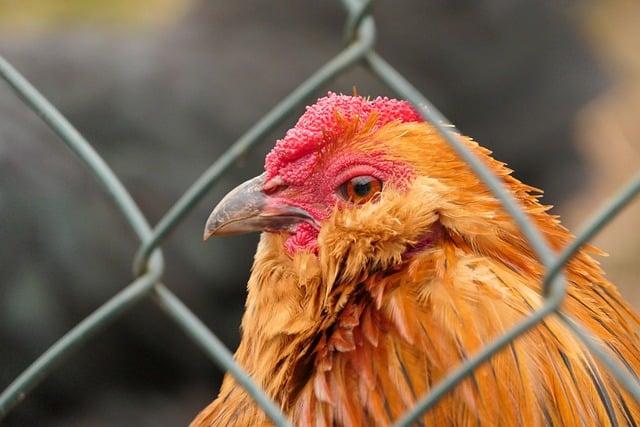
(148, 264)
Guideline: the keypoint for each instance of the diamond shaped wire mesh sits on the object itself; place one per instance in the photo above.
(360, 36)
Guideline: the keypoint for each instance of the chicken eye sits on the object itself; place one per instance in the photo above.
(360, 189)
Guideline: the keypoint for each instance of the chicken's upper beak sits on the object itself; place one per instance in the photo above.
(247, 208)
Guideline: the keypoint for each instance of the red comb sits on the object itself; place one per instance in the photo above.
(293, 156)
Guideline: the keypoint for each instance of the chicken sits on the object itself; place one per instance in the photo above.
(385, 262)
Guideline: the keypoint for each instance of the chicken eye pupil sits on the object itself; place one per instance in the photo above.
(362, 188)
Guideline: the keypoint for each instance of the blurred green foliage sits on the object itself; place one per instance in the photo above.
(37, 15)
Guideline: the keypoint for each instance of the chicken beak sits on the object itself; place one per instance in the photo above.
(247, 208)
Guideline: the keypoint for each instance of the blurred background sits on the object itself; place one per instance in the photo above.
(162, 87)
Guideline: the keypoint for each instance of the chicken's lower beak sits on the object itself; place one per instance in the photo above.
(247, 208)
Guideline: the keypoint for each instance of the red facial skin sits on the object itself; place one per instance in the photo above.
(301, 172)
(319, 194)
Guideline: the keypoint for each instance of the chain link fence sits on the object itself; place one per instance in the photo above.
(360, 35)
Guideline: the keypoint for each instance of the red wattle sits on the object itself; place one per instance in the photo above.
(304, 238)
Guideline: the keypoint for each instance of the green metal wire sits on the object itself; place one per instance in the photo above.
(148, 265)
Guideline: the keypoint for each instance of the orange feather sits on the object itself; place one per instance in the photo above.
(356, 334)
